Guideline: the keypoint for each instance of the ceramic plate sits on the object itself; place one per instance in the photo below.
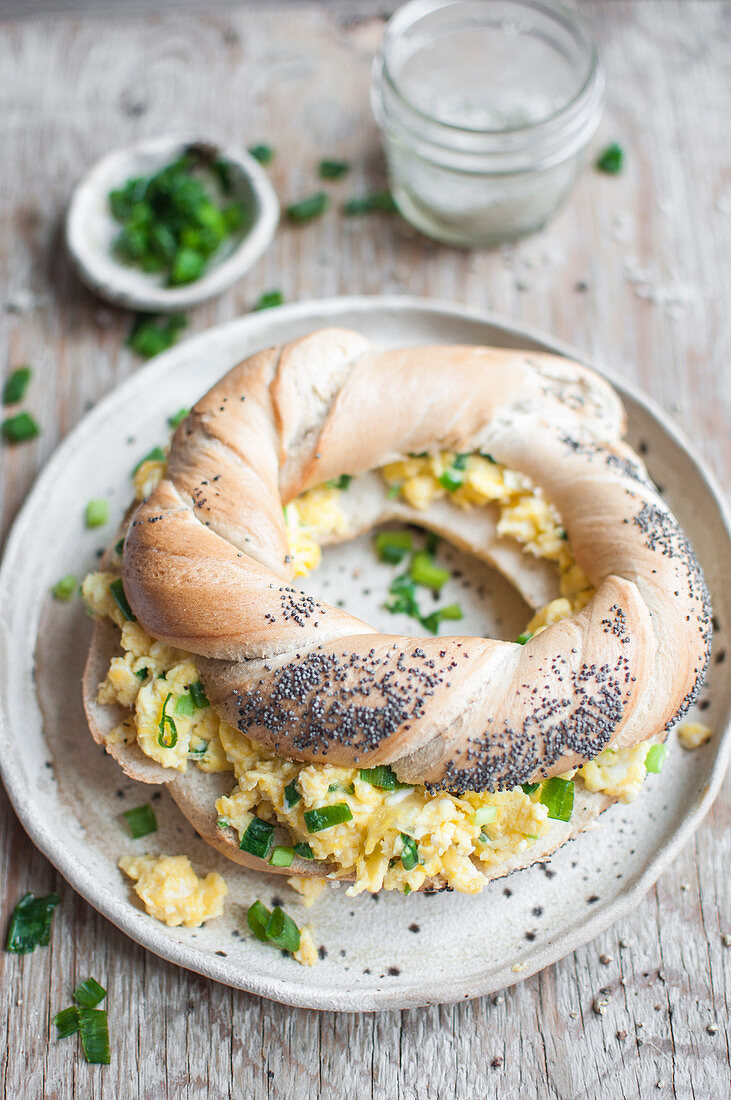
(388, 951)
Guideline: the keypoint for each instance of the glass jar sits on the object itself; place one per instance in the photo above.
(485, 107)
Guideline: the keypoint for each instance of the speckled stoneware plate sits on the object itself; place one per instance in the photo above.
(385, 952)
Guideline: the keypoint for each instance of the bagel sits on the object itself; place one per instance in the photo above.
(208, 569)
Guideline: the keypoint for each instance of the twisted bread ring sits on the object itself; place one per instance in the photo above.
(206, 566)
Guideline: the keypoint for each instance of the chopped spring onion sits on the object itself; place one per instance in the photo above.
(409, 852)
(168, 731)
(655, 758)
(263, 153)
(610, 160)
(258, 838)
(97, 512)
(282, 931)
(452, 612)
(282, 857)
(257, 917)
(375, 202)
(393, 546)
(490, 459)
(485, 815)
(407, 890)
(178, 417)
(558, 795)
(269, 300)
(185, 705)
(89, 993)
(18, 429)
(304, 851)
(142, 673)
(307, 209)
(67, 1022)
(382, 777)
(403, 597)
(198, 695)
(529, 788)
(152, 334)
(291, 795)
(524, 637)
(423, 571)
(453, 476)
(394, 490)
(344, 788)
(332, 169)
(116, 589)
(432, 542)
(155, 455)
(141, 821)
(327, 816)
(30, 924)
(94, 1031)
(187, 266)
(15, 385)
(341, 482)
(65, 588)
(119, 547)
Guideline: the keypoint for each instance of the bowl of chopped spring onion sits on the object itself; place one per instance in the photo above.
(170, 222)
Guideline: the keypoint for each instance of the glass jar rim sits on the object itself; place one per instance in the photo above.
(572, 20)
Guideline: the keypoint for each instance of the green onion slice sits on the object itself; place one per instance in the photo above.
(185, 705)
(610, 160)
(383, 777)
(453, 476)
(375, 202)
(94, 1031)
(282, 931)
(155, 455)
(394, 490)
(304, 851)
(89, 993)
(524, 637)
(327, 816)
(291, 795)
(282, 857)
(409, 852)
(141, 821)
(655, 758)
(168, 731)
(341, 482)
(451, 613)
(15, 385)
(30, 924)
(407, 890)
(116, 589)
(529, 788)
(66, 1022)
(423, 571)
(65, 588)
(97, 513)
(393, 546)
(269, 300)
(485, 815)
(258, 838)
(178, 417)
(198, 695)
(332, 169)
(558, 795)
(151, 335)
(263, 153)
(307, 209)
(18, 429)
(142, 673)
(402, 597)
(257, 917)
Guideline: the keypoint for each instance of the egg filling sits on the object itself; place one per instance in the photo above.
(394, 837)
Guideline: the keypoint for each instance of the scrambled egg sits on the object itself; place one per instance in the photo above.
(397, 839)
(172, 892)
(306, 953)
(694, 734)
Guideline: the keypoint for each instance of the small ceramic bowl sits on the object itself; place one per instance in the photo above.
(91, 230)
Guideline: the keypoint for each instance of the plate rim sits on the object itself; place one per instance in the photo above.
(132, 921)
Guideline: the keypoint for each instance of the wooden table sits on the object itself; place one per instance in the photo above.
(634, 272)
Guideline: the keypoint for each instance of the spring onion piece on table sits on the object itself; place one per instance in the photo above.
(307, 209)
(198, 695)
(141, 821)
(178, 418)
(282, 931)
(167, 730)
(383, 777)
(258, 838)
(409, 852)
(304, 851)
(393, 546)
(424, 571)
(332, 169)
(155, 455)
(116, 589)
(269, 300)
(291, 794)
(257, 918)
(655, 758)
(402, 597)
(374, 203)
(89, 993)
(282, 857)
(558, 795)
(151, 334)
(263, 153)
(65, 588)
(94, 1031)
(96, 513)
(610, 160)
(30, 924)
(327, 816)
(524, 637)
(15, 385)
(66, 1022)
(18, 429)
(451, 613)
(453, 476)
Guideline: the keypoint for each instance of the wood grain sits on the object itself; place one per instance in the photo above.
(635, 272)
